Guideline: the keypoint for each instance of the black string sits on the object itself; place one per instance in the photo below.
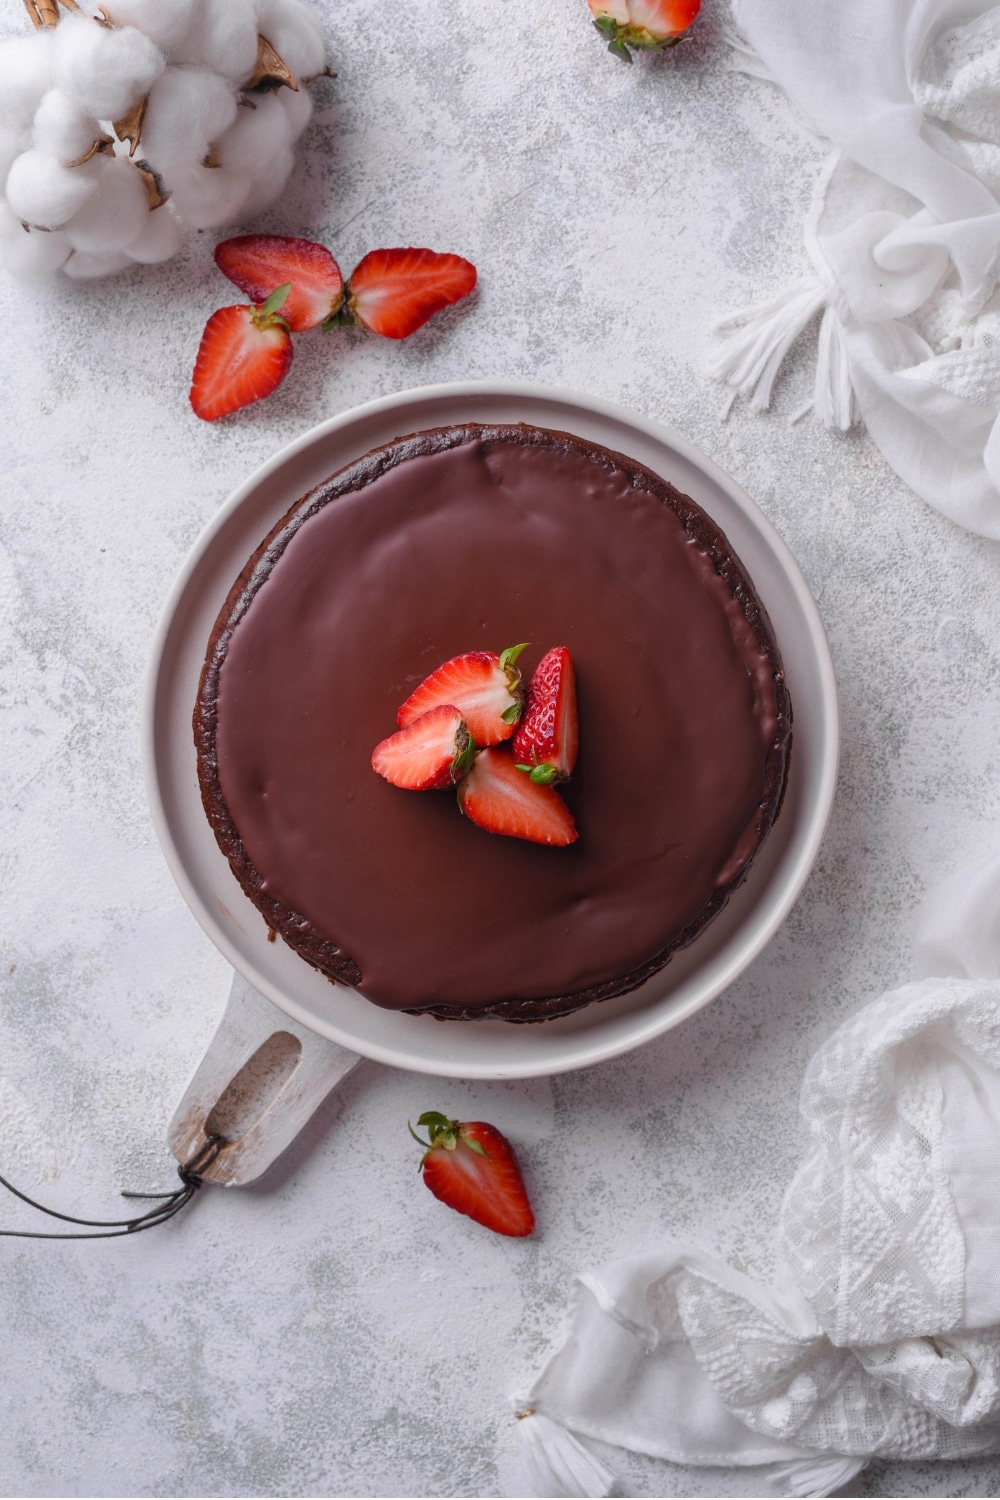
(189, 1173)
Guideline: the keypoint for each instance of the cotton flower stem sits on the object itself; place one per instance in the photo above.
(103, 146)
(45, 13)
(271, 70)
(129, 127)
(153, 183)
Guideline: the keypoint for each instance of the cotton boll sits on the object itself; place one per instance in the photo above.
(86, 266)
(166, 22)
(26, 65)
(104, 72)
(12, 143)
(40, 190)
(115, 213)
(62, 129)
(206, 197)
(298, 110)
(295, 32)
(265, 190)
(11, 227)
(255, 139)
(161, 237)
(33, 255)
(189, 108)
(38, 258)
(223, 37)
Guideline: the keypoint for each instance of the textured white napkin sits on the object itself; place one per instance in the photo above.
(882, 1335)
(903, 237)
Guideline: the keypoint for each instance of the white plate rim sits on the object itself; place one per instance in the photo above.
(658, 1017)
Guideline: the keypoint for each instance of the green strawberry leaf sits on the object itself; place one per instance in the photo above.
(463, 760)
(543, 775)
(509, 657)
(341, 318)
(442, 1131)
(277, 299)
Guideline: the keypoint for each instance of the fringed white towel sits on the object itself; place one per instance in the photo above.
(881, 1336)
(903, 237)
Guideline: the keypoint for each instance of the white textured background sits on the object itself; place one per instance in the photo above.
(336, 1331)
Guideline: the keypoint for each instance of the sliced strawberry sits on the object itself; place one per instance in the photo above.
(496, 796)
(548, 736)
(646, 24)
(257, 263)
(663, 18)
(244, 355)
(434, 751)
(486, 687)
(394, 292)
(472, 1168)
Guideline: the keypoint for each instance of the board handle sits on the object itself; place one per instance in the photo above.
(261, 1080)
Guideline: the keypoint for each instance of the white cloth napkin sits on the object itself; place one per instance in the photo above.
(903, 237)
(882, 1335)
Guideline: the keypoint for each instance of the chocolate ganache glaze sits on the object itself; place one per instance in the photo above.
(474, 538)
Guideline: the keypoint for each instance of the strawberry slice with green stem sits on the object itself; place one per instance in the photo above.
(244, 355)
(486, 687)
(499, 798)
(257, 263)
(394, 292)
(548, 736)
(434, 751)
(644, 24)
(472, 1168)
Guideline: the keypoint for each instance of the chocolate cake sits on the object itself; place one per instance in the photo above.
(474, 538)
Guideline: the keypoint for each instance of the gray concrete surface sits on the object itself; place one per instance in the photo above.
(335, 1331)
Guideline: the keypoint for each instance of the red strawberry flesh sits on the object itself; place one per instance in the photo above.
(244, 355)
(394, 292)
(548, 734)
(663, 18)
(431, 753)
(498, 797)
(486, 687)
(257, 263)
(643, 23)
(472, 1168)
